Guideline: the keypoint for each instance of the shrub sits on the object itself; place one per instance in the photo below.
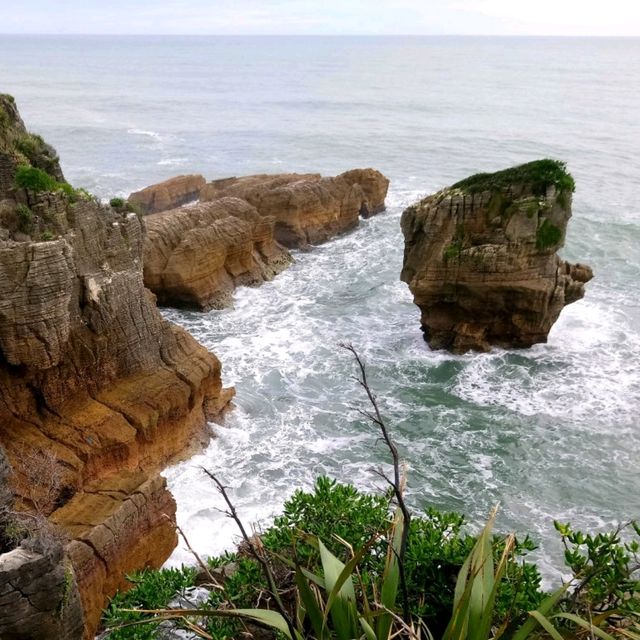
(117, 203)
(34, 179)
(539, 173)
(25, 218)
(547, 235)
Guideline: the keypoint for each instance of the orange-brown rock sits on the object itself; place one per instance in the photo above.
(123, 521)
(197, 255)
(94, 383)
(308, 209)
(168, 194)
(480, 258)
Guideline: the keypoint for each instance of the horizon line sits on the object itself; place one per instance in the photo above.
(328, 35)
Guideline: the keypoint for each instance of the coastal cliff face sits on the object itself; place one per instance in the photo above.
(480, 258)
(169, 194)
(197, 255)
(308, 209)
(96, 387)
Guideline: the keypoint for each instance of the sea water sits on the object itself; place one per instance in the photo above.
(548, 433)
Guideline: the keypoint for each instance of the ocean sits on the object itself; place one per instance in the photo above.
(548, 433)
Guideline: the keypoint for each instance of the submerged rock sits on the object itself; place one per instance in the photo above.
(168, 194)
(308, 209)
(94, 383)
(196, 255)
(480, 258)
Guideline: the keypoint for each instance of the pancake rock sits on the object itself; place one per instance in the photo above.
(308, 209)
(94, 383)
(168, 194)
(197, 255)
(480, 258)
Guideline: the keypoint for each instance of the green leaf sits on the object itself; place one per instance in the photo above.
(391, 576)
(311, 606)
(546, 625)
(585, 625)
(531, 623)
(369, 633)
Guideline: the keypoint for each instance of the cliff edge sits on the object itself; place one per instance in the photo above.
(97, 390)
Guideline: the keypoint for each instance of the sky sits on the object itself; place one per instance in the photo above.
(348, 17)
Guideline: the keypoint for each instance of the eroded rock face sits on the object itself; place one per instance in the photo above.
(197, 255)
(39, 597)
(94, 384)
(308, 209)
(168, 194)
(480, 258)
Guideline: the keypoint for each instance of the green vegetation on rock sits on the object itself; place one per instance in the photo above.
(25, 218)
(540, 174)
(547, 235)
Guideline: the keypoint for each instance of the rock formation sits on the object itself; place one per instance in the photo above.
(308, 209)
(480, 258)
(168, 194)
(97, 390)
(197, 255)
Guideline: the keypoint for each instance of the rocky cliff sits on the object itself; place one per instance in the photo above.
(480, 258)
(168, 194)
(197, 255)
(307, 208)
(97, 390)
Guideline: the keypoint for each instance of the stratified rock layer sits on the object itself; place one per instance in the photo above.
(94, 383)
(197, 255)
(480, 258)
(307, 208)
(168, 194)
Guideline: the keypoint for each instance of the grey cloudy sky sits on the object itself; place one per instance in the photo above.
(517, 17)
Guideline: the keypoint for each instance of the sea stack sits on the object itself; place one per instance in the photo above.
(481, 259)
(97, 393)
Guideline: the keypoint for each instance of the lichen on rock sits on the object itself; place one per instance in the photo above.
(480, 258)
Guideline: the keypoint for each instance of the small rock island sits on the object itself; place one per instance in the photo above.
(480, 258)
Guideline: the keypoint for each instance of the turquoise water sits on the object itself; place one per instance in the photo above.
(551, 432)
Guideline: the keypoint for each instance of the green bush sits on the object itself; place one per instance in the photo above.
(540, 174)
(152, 590)
(34, 179)
(25, 218)
(547, 235)
(117, 203)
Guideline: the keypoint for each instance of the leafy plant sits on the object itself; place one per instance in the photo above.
(117, 203)
(25, 218)
(547, 235)
(540, 174)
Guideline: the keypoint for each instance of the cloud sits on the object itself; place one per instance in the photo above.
(551, 17)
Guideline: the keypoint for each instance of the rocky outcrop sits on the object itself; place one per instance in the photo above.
(308, 209)
(480, 258)
(168, 194)
(196, 256)
(39, 597)
(94, 383)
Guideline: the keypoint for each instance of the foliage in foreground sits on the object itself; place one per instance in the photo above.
(436, 555)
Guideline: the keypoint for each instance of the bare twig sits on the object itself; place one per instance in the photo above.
(201, 563)
(397, 484)
(255, 552)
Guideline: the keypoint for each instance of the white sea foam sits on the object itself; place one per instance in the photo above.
(172, 162)
(475, 429)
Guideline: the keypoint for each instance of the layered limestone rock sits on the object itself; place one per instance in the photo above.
(94, 383)
(480, 258)
(308, 209)
(168, 194)
(197, 255)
